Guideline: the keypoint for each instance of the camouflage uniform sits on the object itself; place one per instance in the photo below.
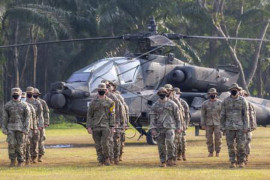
(164, 119)
(210, 119)
(234, 120)
(15, 124)
(100, 118)
(34, 139)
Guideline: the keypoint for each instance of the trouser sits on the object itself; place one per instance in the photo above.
(101, 137)
(248, 141)
(41, 140)
(183, 143)
(122, 141)
(178, 144)
(27, 153)
(33, 137)
(236, 137)
(116, 143)
(15, 145)
(210, 130)
(166, 147)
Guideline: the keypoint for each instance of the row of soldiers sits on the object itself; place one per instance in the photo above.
(25, 118)
(107, 120)
(235, 118)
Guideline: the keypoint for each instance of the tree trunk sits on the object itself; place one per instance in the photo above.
(35, 53)
(260, 81)
(16, 56)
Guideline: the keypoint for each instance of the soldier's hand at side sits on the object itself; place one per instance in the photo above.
(153, 132)
(89, 130)
(46, 125)
(35, 131)
(245, 131)
(203, 127)
(178, 131)
(5, 132)
(40, 128)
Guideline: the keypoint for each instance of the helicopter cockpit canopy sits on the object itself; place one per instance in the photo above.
(119, 70)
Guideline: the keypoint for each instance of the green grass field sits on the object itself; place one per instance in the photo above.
(140, 160)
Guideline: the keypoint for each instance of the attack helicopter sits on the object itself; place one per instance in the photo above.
(139, 75)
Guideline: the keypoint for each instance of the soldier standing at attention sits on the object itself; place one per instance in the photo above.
(182, 149)
(234, 121)
(46, 116)
(32, 130)
(15, 126)
(40, 122)
(210, 121)
(100, 122)
(164, 123)
(252, 125)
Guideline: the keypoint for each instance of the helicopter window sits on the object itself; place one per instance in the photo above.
(108, 72)
(128, 71)
(78, 77)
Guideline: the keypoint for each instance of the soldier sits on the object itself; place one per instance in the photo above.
(115, 134)
(100, 122)
(164, 122)
(46, 116)
(252, 125)
(234, 121)
(210, 121)
(40, 123)
(32, 130)
(123, 122)
(178, 137)
(15, 126)
(182, 148)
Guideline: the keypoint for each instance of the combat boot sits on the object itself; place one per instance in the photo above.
(116, 161)
(241, 165)
(179, 157)
(121, 158)
(40, 159)
(20, 164)
(184, 156)
(12, 163)
(27, 162)
(217, 154)
(162, 165)
(246, 161)
(170, 163)
(107, 162)
(233, 165)
(100, 164)
(210, 155)
(34, 160)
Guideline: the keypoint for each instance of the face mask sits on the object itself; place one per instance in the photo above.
(15, 96)
(35, 96)
(29, 95)
(162, 96)
(233, 92)
(177, 96)
(23, 99)
(101, 93)
(212, 96)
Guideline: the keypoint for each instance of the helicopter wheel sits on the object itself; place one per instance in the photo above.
(149, 139)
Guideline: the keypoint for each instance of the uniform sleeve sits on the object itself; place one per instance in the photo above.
(187, 115)
(27, 119)
(253, 120)
(89, 117)
(34, 117)
(203, 113)
(223, 116)
(177, 118)
(5, 120)
(153, 118)
(46, 113)
(40, 116)
(245, 116)
(112, 115)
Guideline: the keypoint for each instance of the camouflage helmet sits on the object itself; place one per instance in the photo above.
(177, 90)
(169, 87)
(23, 95)
(102, 86)
(212, 91)
(36, 91)
(162, 90)
(29, 89)
(105, 81)
(16, 91)
(235, 86)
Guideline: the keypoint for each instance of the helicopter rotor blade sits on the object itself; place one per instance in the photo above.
(62, 41)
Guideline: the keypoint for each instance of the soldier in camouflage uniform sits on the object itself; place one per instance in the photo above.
(46, 116)
(235, 123)
(32, 130)
(34, 139)
(15, 126)
(164, 122)
(100, 123)
(181, 151)
(115, 134)
(178, 137)
(123, 122)
(210, 121)
(252, 125)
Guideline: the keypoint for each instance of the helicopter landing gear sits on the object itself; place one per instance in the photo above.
(149, 139)
(197, 130)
